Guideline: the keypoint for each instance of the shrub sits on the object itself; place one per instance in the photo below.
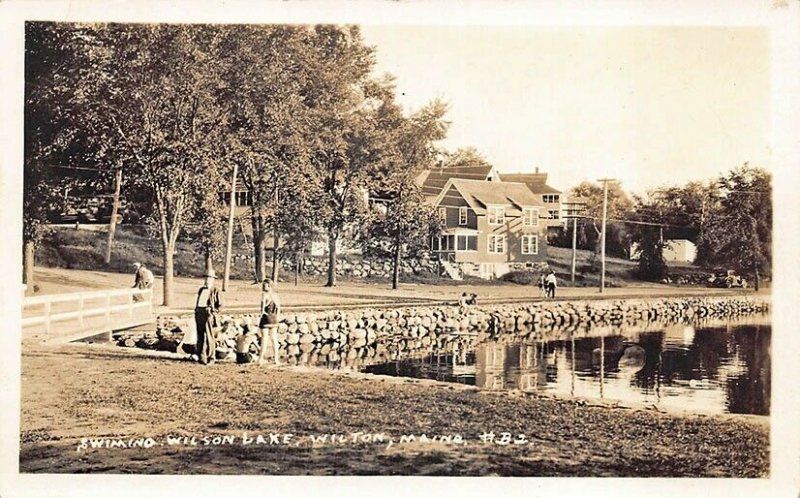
(521, 277)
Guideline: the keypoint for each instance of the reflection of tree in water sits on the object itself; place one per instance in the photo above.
(700, 360)
(647, 377)
(737, 357)
(749, 392)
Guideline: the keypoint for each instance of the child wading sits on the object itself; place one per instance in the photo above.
(270, 311)
(206, 313)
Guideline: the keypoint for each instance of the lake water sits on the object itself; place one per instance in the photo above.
(712, 368)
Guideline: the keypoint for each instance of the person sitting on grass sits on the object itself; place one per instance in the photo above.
(142, 280)
(245, 343)
(463, 301)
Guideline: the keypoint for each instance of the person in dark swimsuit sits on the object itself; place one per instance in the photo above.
(270, 314)
(206, 313)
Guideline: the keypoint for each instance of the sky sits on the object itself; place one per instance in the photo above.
(648, 106)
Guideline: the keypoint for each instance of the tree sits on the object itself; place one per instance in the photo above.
(408, 221)
(689, 209)
(619, 204)
(741, 232)
(648, 215)
(269, 131)
(149, 97)
(50, 59)
(465, 157)
(345, 140)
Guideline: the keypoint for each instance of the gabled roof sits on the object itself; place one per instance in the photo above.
(537, 182)
(437, 178)
(480, 194)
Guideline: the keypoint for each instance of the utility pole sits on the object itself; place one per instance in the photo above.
(229, 246)
(574, 246)
(605, 182)
(574, 210)
(112, 224)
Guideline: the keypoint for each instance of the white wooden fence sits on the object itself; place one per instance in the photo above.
(118, 308)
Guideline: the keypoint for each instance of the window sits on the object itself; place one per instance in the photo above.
(530, 217)
(553, 214)
(497, 215)
(550, 198)
(467, 243)
(497, 244)
(530, 244)
(462, 216)
(443, 215)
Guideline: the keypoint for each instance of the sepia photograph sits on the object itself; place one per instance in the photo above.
(396, 249)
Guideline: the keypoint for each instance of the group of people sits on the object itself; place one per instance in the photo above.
(249, 348)
(206, 316)
(548, 284)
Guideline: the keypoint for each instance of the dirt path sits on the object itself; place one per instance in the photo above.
(244, 293)
(80, 391)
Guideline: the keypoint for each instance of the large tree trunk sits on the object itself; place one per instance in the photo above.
(275, 259)
(169, 273)
(331, 259)
(396, 262)
(27, 266)
(258, 249)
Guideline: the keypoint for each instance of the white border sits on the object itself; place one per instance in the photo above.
(779, 16)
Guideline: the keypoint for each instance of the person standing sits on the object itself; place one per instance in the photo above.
(143, 279)
(270, 315)
(206, 317)
(551, 283)
(542, 286)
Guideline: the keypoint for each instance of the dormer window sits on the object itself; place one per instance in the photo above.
(496, 215)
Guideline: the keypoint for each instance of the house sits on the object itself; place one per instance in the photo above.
(679, 251)
(675, 251)
(489, 227)
(551, 197)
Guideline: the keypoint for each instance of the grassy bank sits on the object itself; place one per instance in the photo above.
(82, 391)
(85, 250)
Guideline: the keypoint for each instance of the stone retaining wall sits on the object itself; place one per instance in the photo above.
(371, 332)
(356, 266)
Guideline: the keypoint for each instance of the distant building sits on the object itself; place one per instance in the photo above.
(488, 227)
(551, 197)
(679, 250)
(675, 251)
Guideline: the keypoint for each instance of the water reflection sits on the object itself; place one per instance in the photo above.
(705, 368)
